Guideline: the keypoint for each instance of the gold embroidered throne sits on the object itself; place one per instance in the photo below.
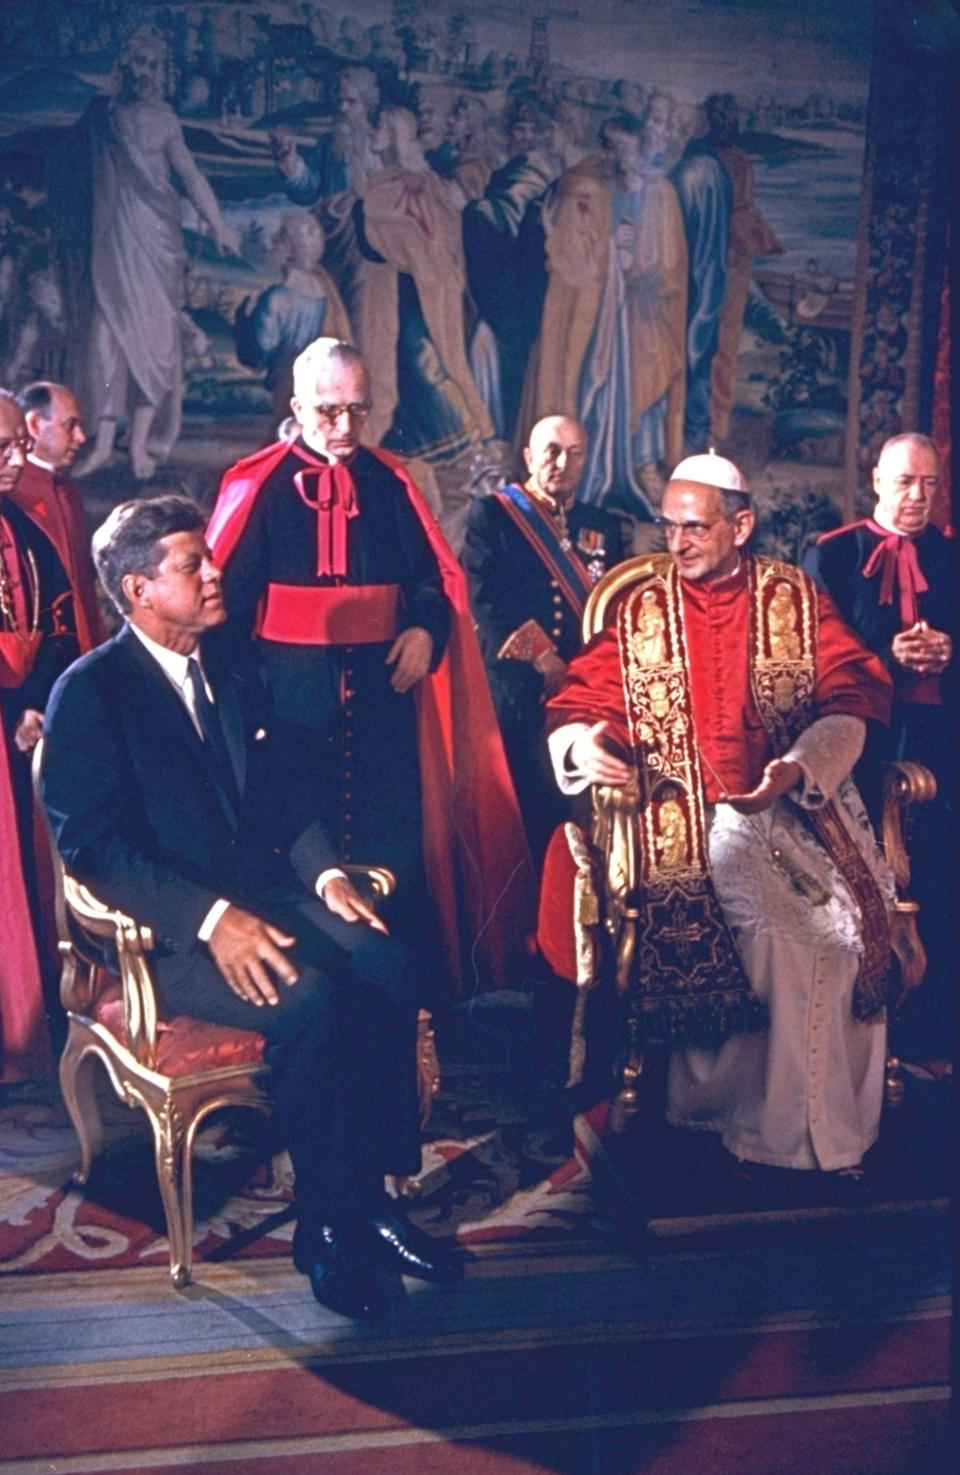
(607, 870)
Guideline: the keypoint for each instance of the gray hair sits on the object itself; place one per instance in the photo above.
(323, 351)
(908, 437)
(366, 84)
(734, 502)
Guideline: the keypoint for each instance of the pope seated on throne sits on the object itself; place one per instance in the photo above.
(731, 893)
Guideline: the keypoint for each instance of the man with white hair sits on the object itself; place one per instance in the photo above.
(336, 567)
(733, 701)
(894, 578)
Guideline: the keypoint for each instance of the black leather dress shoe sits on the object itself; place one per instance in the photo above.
(398, 1245)
(341, 1278)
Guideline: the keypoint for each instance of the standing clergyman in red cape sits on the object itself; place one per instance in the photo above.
(334, 564)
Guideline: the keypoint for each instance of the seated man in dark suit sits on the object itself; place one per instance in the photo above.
(174, 796)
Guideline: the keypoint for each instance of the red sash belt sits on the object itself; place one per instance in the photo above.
(341, 614)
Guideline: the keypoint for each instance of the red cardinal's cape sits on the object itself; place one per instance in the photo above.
(472, 830)
(57, 510)
(25, 1051)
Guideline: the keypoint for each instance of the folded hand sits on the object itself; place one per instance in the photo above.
(594, 759)
(345, 901)
(410, 655)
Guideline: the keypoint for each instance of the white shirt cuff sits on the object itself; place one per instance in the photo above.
(211, 919)
(328, 875)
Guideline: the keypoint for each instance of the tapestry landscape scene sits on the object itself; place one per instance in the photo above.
(507, 220)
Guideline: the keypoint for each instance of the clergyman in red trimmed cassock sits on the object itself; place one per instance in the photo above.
(37, 641)
(334, 564)
(730, 693)
(894, 577)
(52, 500)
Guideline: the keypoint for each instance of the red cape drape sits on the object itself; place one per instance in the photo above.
(25, 1051)
(472, 831)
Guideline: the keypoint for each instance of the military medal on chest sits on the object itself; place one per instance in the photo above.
(591, 545)
(560, 526)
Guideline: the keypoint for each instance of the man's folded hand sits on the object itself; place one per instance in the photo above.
(345, 901)
(591, 754)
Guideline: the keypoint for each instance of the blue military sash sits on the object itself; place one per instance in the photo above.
(535, 525)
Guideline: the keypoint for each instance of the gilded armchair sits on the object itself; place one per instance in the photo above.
(176, 1070)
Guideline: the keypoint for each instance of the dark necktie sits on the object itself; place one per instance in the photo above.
(212, 729)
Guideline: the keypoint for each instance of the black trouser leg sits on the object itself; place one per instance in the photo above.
(341, 1042)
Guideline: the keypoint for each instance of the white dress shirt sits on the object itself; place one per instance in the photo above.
(175, 667)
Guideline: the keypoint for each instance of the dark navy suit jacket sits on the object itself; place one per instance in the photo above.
(135, 806)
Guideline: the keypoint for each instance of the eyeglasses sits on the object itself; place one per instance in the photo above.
(21, 443)
(698, 531)
(330, 414)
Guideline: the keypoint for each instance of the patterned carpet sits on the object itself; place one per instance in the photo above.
(487, 1177)
(598, 1330)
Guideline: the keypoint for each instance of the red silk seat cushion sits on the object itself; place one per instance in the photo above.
(184, 1045)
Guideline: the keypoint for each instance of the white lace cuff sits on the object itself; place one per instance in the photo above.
(826, 752)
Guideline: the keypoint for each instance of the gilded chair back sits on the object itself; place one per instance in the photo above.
(906, 783)
(615, 582)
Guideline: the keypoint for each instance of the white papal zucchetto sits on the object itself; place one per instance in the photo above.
(711, 470)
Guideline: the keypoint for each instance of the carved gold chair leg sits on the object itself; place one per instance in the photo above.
(626, 1100)
(77, 1071)
(428, 1088)
(905, 783)
(175, 1179)
(428, 1066)
(175, 1119)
